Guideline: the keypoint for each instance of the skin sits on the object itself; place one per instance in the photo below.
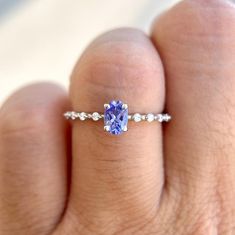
(175, 179)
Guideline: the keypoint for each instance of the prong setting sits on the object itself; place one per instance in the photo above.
(107, 128)
(125, 106)
(106, 106)
(116, 117)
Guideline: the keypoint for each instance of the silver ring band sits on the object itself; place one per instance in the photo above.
(137, 117)
(116, 117)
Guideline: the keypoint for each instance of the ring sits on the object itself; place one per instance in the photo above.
(116, 117)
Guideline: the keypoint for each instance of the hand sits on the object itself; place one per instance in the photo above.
(178, 180)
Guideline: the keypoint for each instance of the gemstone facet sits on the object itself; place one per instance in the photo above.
(116, 117)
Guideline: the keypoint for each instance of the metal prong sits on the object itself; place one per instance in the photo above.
(125, 129)
(125, 106)
(106, 106)
(107, 128)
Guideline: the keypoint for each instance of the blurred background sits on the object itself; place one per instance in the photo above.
(42, 39)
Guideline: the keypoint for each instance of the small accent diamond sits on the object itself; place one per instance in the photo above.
(160, 118)
(96, 116)
(137, 117)
(167, 117)
(150, 117)
(67, 115)
(73, 115)
(83, 116)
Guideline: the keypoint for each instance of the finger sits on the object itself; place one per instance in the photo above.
(198, 54)
(33, 152)
(117, 175)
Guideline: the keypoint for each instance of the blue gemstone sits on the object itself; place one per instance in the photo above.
(116, 117)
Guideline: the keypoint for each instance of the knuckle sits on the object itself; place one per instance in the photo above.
(120, 58)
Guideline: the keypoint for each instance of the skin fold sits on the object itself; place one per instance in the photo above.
(61, 178)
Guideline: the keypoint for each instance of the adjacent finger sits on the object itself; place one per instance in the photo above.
(196, 42)
(33, 152)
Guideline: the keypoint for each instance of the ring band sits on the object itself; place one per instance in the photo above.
(116, 117)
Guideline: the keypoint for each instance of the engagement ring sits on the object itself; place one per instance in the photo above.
(116, 117)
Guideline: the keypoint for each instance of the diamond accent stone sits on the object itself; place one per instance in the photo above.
(167, 117)
(67, 115)
(150, 117)
(73, 115)
(82, 116)
(116, 118)
(160, 118)
(96, 116)
(137, 117)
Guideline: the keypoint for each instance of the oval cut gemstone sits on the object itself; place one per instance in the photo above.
(116, 117)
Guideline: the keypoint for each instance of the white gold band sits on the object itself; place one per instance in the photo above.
(137, 117)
